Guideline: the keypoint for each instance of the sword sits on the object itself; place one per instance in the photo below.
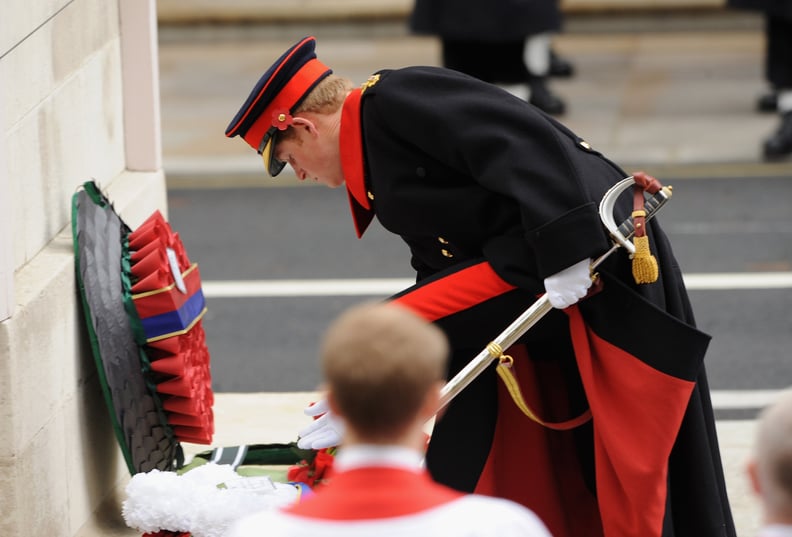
(619, 234)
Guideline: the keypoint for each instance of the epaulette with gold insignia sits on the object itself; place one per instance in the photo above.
(373, 79)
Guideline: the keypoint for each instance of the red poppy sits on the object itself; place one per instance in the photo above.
(316, 472)
(281, 119)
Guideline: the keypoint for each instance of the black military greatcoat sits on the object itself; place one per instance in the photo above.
(485, 189)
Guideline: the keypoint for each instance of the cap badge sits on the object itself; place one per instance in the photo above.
(281, 119)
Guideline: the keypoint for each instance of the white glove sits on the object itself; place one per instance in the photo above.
(566, 287)
(325, 431)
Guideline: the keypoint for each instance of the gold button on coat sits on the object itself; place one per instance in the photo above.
(441, 240)
(446, 253)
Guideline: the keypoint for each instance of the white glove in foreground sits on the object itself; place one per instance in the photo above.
(566, 287)
(323, 432)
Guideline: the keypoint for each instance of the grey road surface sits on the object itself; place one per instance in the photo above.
(305, 233)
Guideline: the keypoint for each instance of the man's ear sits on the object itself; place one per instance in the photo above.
(306, 124)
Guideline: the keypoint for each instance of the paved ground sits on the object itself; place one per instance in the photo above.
(672, 101)
(675, 102)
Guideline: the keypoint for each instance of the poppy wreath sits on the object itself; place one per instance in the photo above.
(143, 305)
(168, 300)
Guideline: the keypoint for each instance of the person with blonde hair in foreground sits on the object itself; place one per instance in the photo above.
(384, 368)
(770, 467)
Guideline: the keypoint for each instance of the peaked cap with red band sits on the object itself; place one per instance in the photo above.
(274, 98)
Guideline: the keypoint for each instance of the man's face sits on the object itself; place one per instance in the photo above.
(313, 156)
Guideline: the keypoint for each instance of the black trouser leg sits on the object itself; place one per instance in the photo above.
(462, 436)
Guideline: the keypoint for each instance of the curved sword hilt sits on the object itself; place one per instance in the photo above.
(621, 233)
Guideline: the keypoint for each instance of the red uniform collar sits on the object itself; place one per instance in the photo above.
(351, 146)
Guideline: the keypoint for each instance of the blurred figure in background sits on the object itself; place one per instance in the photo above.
(502, 42)
(770, 468)
(778, 70)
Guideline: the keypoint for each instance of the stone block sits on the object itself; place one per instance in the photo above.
(34, 499)
(41, 346)
(74, 135)
(94, 464)
(54, 52)
(22, 17)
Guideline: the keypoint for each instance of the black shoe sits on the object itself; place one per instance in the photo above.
(767, 102)
(559, 67)
(544, 99)
(779, 145)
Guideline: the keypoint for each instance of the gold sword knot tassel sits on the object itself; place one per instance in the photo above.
(505, 363)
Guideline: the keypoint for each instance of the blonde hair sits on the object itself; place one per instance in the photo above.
(379, 361)
(773, 454)
(327, 97)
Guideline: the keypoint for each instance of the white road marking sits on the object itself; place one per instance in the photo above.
(389, 286)
(738, 280)
(731, 399)
(297, 288)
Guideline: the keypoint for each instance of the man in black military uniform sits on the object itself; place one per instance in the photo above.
(497, 203)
